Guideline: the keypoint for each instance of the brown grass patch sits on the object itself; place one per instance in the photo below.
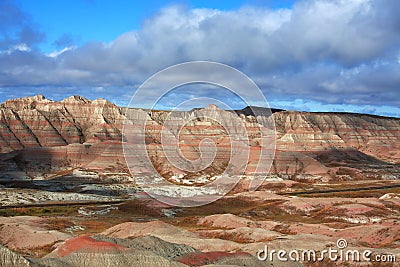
(224, 205)
(94, 227)
(40, 211)
(57, 223)
(37, 252)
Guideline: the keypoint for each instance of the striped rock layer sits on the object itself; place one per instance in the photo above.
(77, 132)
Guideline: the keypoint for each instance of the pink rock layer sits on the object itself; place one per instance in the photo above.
(77, 132)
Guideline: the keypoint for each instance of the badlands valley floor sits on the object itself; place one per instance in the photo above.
(75, 220)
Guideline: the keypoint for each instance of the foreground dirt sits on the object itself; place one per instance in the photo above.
(229, 231)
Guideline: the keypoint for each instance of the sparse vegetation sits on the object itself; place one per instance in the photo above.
(40, 211)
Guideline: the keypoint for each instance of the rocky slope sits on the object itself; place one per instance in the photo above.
(38, 135)
(12, 259)
(39, 122)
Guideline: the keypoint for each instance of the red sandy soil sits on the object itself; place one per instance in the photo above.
(88, 245)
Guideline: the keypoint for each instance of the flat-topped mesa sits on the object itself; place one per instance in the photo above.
(305, 131)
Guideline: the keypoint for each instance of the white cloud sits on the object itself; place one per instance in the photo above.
(18, 47)
(56, 53)
(329, 51)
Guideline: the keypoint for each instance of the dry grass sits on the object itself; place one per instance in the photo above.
(234, 205)
(351, 194)
(60, 173)
(40, 211)
(94, 226)
(57, 223)
(37, 252)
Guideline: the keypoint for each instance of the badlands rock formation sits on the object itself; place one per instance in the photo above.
(64, 163)
(38, 135)
(12, 259)
(27, 232)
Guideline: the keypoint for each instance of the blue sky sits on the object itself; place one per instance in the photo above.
(313, 55)
(80, 21)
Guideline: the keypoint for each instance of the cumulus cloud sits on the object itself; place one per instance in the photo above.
(329, 51)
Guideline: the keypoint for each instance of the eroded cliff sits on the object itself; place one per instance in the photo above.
(38, 135)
